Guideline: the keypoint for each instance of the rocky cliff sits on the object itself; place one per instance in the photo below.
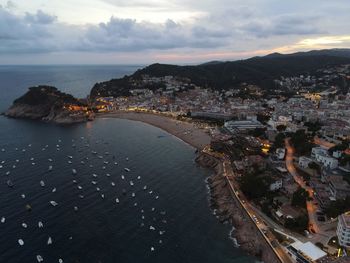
(48, 104)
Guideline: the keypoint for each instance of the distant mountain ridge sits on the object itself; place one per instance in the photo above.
(228, 74)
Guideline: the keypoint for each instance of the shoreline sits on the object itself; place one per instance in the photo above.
(185, 131)
(224, 206)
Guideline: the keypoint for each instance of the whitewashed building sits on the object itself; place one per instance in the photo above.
(343, 229)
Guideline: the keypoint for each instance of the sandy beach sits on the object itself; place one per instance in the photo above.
(186, 131)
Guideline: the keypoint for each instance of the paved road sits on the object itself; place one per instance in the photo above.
(267, 235)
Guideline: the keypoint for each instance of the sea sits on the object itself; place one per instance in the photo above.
(156, 210)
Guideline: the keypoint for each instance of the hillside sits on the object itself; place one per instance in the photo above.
(258, 70)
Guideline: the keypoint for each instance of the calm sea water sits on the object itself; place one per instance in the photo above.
(170, 221)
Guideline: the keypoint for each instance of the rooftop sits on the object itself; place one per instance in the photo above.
(309, 250)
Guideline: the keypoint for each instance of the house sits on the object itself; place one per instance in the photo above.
(304, 162)
(320, 155)
(339, 188)
(305, 252)
(343, 230)
(276, 185)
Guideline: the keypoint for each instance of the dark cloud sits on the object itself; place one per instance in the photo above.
(40, 17)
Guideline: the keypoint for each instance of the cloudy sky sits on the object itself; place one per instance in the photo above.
(170, 31)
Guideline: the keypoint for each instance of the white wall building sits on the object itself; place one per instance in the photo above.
(343, 229)
(276, 185)
(305, 252)
(304, 162)
(321, 155)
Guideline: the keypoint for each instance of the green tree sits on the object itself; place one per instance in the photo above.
(299, 198)
(281, 128)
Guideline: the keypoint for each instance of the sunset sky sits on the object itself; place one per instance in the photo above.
(173, 31)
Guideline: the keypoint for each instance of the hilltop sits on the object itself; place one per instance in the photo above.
(48, 104)
(218, 75)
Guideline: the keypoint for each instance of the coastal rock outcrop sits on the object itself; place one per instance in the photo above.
(48, 104)
(228, 209)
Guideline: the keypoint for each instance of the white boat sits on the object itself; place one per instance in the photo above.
(145, 187)
(40, 224)
(93, 182)
(103, 167)
(127, 169)
(8, 173)
(91, 166)
(100, 156)
(150, 192)
(82, 162)
(75, 181)
(81, 196)
(117, 200)
(3, 219)
(94, 175)
(74, 171)
(24, 225)
(20, 242)
(49, 241)
(115, 163)
(39, 258)
(93, 152)
(33, 163)
(135, 204)
(112, 183)
(152, 228)
(153, 209)
(103, 196)
(157, 197)
(53, 203)
(75, 208)
(42, 183)
(105, 162)
(79, 187)
(54, 190)
(133, 194)
(70, 156)
(108, 175)
(70, 162)
(139, 178)
(131, 183)
(127, 158)
(32, 159)
(50, 168)
(23, 196)
(98, 189)
(50, 160)
(60, 260)
(123, 177)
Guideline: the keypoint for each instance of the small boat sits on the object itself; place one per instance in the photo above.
(94, 175)
(20, 242)
(53, 203)
(3, 219)
(103, 196)
(70, 156)
(24, 225)
(17, 161)
(127, 169)
(81, 196)
(74, 181)
(157, 197)
(91, 166)
(123, 177)
(152, 228)
(103, 167)
(115, 163)
(139, 178)
(79, 187)
(112, 183)
(98, 189)
(54, 190)
(152, 248)
(42, 183)
(93, 152)
(124, 192)
(150, 192)
(106, 153)
(117, 200)
(50, 160)
(32, 159)
(93, 182)
(135, 204)
(10, 183)
(13, 166)
(131, 183)
(106, 162)
(133, 194)
(108, 175)
(40, 224)
(82, 162)
(23, 196)
(127, 158)
(100, 156)
(153, 209)
(39, 258)
(49, 241)
(145, 187)
(74, 171)
(70, 162)
(28, 207)
(76, 208)
(33, 163)
(50, 168)
(8, 173)
(60, 260)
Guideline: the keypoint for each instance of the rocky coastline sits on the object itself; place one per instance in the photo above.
(48, 104)
(228, 209)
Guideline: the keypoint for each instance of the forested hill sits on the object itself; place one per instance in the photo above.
(223, 75)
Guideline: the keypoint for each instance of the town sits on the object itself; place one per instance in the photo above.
(286, 151)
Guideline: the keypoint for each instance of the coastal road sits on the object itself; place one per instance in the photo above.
(310, 206)
(279, 251)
